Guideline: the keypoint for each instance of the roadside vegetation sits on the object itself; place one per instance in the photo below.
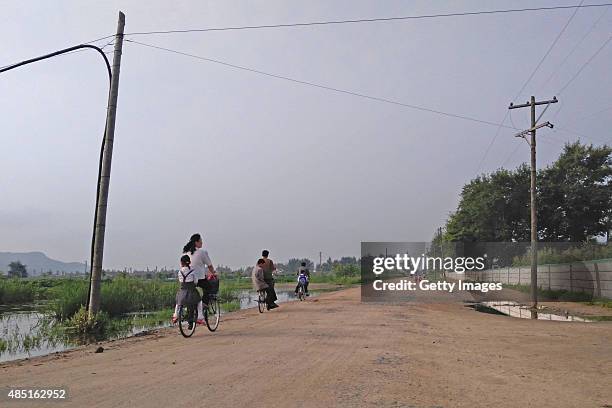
(341, 274)
(584, 252)
(562, 295)
(127, 302)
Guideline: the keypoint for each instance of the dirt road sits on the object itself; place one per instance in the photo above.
(335, 351)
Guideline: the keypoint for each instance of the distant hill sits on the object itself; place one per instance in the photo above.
(37, 263)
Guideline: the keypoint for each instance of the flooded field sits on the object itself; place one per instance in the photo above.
(28, 331)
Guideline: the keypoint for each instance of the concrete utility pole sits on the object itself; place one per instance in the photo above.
(320, 261)
(107, 155)
(534, 214)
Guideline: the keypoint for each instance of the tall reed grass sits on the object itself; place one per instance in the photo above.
(118, 296)
(16, 291)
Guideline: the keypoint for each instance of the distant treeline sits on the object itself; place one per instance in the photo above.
(293, 264)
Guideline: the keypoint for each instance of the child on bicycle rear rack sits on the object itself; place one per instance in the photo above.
(257, 275)
(303, 278)
(187, 295)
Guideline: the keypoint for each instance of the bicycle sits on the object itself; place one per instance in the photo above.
(262, 300)
(187, 320)
(212, 312)
(300, 293)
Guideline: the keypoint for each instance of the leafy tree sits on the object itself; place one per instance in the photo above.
(17, 270)
(575, 194)
(346, 270)
(574, 201)
(492, 208)
(294, 264)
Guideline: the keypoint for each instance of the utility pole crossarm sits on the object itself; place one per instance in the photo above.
(528, 104)
(541, 125)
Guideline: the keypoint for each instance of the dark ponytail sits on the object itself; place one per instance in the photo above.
(190, 246)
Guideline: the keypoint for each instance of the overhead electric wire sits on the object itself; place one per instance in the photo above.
(593, 113)
(312, 84)
(356, 21)
(569, 20)
(74, 51)
(368, 20)
(585, 35)
(584, 65)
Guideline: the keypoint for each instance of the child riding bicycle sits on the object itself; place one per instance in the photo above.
(303, 275)
(187, 295)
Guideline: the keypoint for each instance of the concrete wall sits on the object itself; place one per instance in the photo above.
(592, 277)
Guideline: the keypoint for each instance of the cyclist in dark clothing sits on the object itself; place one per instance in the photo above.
(268, 268)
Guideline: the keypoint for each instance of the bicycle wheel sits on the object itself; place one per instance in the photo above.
(212, 314)
(186, 321)
(261, 301)
(301, 293)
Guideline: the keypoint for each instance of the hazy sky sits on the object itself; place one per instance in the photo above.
(255, 162)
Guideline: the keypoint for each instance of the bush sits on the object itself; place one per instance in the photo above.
(82, 324)
(346, 270)
(16, 291)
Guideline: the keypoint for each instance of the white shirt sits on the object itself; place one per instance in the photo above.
(189, 278)
(199, 263)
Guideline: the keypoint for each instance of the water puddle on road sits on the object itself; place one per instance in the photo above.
(514, 309)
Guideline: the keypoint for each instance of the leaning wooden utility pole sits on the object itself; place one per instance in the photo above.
(534, 214)
(107, 155)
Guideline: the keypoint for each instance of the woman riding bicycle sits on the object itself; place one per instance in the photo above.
(203, 270)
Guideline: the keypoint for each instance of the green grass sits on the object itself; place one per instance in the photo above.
(118, 296)
(584, 253)
(600, 302)
(66, 299)
(563, 295)
(230, 306)
(16, 291)
(330, 278)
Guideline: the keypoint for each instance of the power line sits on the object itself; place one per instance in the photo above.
(367, 20)
(593, 114)
(580, 135)
(100, 39)
(587, 62)
(72, 52)
(484, 156)
(584, 65)
(589, 31)
(362, 20)
(329, 88)
(527, 82)
(569, 20)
